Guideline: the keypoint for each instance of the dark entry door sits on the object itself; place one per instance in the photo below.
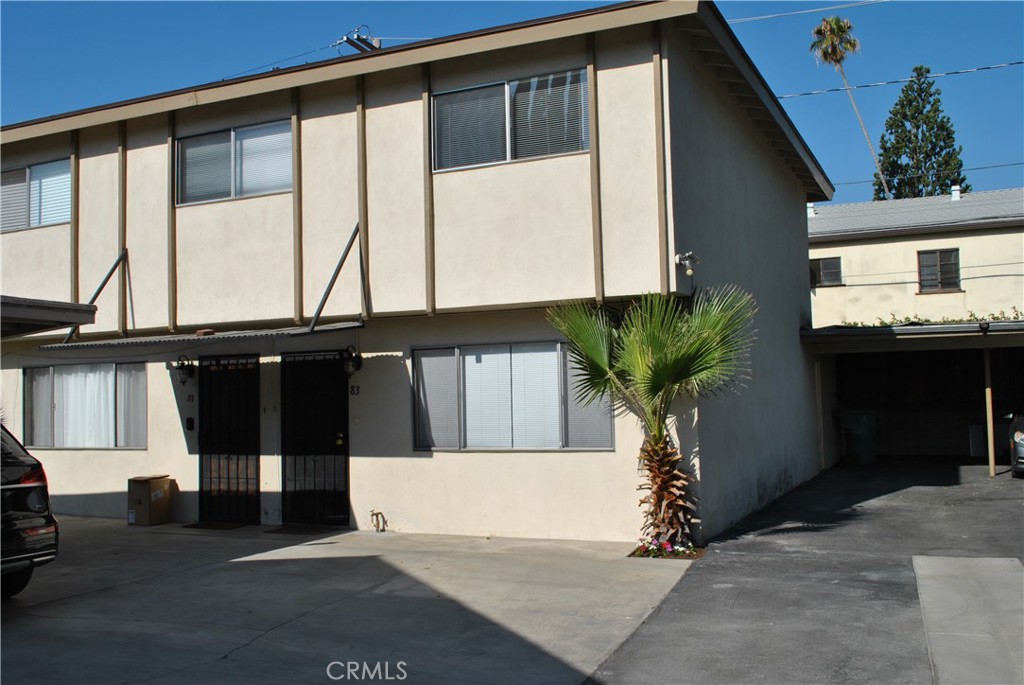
(229, 439)
(314, 439)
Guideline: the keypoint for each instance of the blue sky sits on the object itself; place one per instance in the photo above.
(60, 56)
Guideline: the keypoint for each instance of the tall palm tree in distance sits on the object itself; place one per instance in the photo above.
(833, 41)
(661, 348)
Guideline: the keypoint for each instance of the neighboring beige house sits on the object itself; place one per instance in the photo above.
(320, 291)
(937, 258)
(916, 372)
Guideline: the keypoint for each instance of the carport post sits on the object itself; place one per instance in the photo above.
(989, 418)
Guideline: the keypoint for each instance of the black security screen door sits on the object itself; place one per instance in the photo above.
(229, 439)
(314, 439)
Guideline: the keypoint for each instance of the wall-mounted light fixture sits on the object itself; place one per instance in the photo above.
(353, 361)
(688, 261)
(185, 368)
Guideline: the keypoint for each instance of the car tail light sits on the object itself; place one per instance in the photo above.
(43, 530)
(34, 476)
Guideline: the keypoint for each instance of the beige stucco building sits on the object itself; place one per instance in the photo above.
(327, 283)
(937, 258)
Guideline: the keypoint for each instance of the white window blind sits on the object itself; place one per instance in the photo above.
(204, 171)
(587, 426)
(437, 398)
(13, 199)
(37, 195)
(470, 127)
(50, 193)
(535, 396)
(503, 397)
(549, 114)
(263, 159)
(254, 160)
(487, 389)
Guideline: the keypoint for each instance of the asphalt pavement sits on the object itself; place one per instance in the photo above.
(886, 574)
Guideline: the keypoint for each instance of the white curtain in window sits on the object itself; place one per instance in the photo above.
(487, 396)
(263, 159)
(535, 396)
(131, 405)
(84, 405)
(38, 408)
(50, 193)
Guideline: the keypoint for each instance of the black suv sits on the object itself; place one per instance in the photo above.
(30, 531)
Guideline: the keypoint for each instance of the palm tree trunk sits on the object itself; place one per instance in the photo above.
(849, 92)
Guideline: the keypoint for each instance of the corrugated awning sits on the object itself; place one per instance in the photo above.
(193, 339)
(22, 315)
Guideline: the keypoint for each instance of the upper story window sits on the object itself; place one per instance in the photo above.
(254, 160)
(938, 270)
(36, 195)
(826, 271)
(516, 396)
(86, 405)
(530, 117)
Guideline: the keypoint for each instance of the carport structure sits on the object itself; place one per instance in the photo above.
(933, 390)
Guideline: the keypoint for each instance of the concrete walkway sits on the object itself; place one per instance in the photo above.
(823, 587)
(177, 605)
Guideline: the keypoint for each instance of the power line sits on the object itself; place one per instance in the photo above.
(948, 173)
(744, 20)
(283, 59)
(901, 80)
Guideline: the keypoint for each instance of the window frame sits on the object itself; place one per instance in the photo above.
(821, 283)
(53, 408)
(939, 288)
(565, 397)
(509, 158)
(233, 180)
(27, 169)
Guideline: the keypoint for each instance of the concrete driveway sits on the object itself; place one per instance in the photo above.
(177, 605)
(889, 574)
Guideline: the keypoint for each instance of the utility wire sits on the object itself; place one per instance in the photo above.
(948, 173)
(900, 80)
(744, 20)
(284, 59)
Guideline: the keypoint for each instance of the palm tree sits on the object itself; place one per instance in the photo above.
(833, 40)
(660, 349)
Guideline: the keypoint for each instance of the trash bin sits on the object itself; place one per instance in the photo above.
(857, 427)
(149, 500)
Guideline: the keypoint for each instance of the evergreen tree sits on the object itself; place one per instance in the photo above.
(919, 154)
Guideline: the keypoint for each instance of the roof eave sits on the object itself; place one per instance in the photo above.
(484, 40)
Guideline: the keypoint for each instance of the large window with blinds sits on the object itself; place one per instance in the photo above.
(239, 162)
(36, 195)
(86, 406)
(529, 117)
(508, 396)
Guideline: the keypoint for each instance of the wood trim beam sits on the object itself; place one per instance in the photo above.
(428, 199)
(595, 170)
(659, 153)
(297, 255)
(364, 226)
(122, 225)
(75, 194)
(172, 224)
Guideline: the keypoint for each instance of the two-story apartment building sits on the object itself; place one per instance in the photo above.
(325, 286)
